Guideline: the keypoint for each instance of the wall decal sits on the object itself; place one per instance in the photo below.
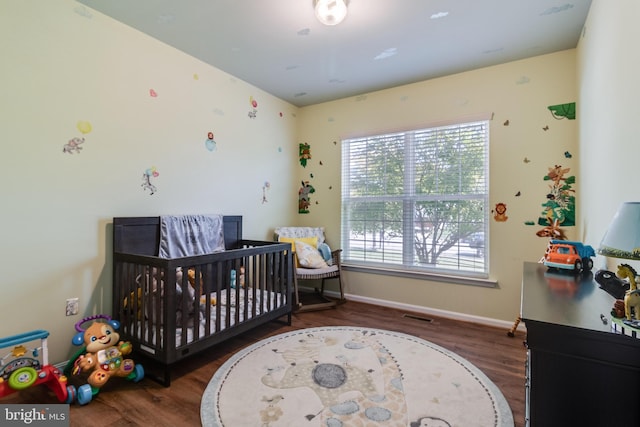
(523, 80)
(304, 154)
(152, 172)
(84, 127)
(304, 198)
(567, 155)
(196, 76)
(266, 186)
(254, 105)
(461, 102)
(500, 212)
(152, 93)
(83, 11)
(561, 111)
(73, 146)
(546, 128)
(529, 222)
(506, 123)
(526, 160)
(518, 194)
(552, 231)
(320, 163)
(210, 143)
(559, 209)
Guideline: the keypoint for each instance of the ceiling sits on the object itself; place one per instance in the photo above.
(280, 47)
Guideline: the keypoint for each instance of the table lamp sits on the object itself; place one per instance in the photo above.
(622, 240)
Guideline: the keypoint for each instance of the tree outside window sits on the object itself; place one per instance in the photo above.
(417, 200)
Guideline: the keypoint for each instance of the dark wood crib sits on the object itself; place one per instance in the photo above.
(170, 309)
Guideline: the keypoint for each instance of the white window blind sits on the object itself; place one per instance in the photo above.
(417, 200)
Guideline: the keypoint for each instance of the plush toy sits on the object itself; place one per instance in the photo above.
(151, 286)
(104, 353)
(618, 309)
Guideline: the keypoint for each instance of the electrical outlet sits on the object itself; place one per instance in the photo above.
(72, 306)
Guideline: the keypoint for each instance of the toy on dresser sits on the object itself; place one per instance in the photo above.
(627, 294)
(102, 354)
(631, 297)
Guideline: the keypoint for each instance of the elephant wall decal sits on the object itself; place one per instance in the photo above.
(345, 392)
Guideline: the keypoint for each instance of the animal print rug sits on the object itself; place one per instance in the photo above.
(350, 376)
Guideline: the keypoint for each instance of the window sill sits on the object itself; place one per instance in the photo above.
(422, 275)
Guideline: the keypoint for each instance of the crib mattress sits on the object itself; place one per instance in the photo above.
(229, 305)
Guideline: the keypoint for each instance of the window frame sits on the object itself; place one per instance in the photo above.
(408, 266)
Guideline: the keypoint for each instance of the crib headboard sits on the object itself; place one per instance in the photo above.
(141, 235)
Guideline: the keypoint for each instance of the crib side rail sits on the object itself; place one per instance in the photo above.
(170, 308)
(143, 303)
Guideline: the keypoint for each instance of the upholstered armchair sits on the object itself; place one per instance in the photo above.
(313, 260)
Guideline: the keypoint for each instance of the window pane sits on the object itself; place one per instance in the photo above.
(376, 166)
(450, 235)
(417, 200)
(375, 232)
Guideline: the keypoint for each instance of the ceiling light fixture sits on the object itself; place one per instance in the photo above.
(330, 12)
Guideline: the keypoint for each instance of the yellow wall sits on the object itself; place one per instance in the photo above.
(63, 63)
(609, 66)
(517, 92)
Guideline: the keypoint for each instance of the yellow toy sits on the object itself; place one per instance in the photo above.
(625, 271)
(632, 304)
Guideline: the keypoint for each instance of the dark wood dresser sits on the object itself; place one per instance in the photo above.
(579, 371)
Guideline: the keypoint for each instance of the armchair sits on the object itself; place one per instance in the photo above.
(313, 260)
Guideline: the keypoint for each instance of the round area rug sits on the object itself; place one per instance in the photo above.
(351, 376)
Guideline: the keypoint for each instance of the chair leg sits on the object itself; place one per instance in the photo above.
(296, 294)
(341, 288)
(341, 300)
(313, 306)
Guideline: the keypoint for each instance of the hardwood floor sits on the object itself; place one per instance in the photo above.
(122, 403)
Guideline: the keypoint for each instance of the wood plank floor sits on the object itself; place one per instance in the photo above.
(121, 403)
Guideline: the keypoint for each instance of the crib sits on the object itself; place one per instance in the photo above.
(172, 308)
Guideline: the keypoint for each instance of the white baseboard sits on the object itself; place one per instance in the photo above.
(431, 311)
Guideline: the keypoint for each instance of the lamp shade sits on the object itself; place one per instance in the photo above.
(331, 12)
(622, 239)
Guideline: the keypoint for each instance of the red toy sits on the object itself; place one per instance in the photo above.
(25, 368)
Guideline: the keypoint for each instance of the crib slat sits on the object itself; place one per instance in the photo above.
(145, 297)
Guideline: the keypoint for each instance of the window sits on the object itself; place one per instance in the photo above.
(417, 201)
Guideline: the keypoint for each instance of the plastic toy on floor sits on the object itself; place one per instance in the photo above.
(23, 367)
(102, 354)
